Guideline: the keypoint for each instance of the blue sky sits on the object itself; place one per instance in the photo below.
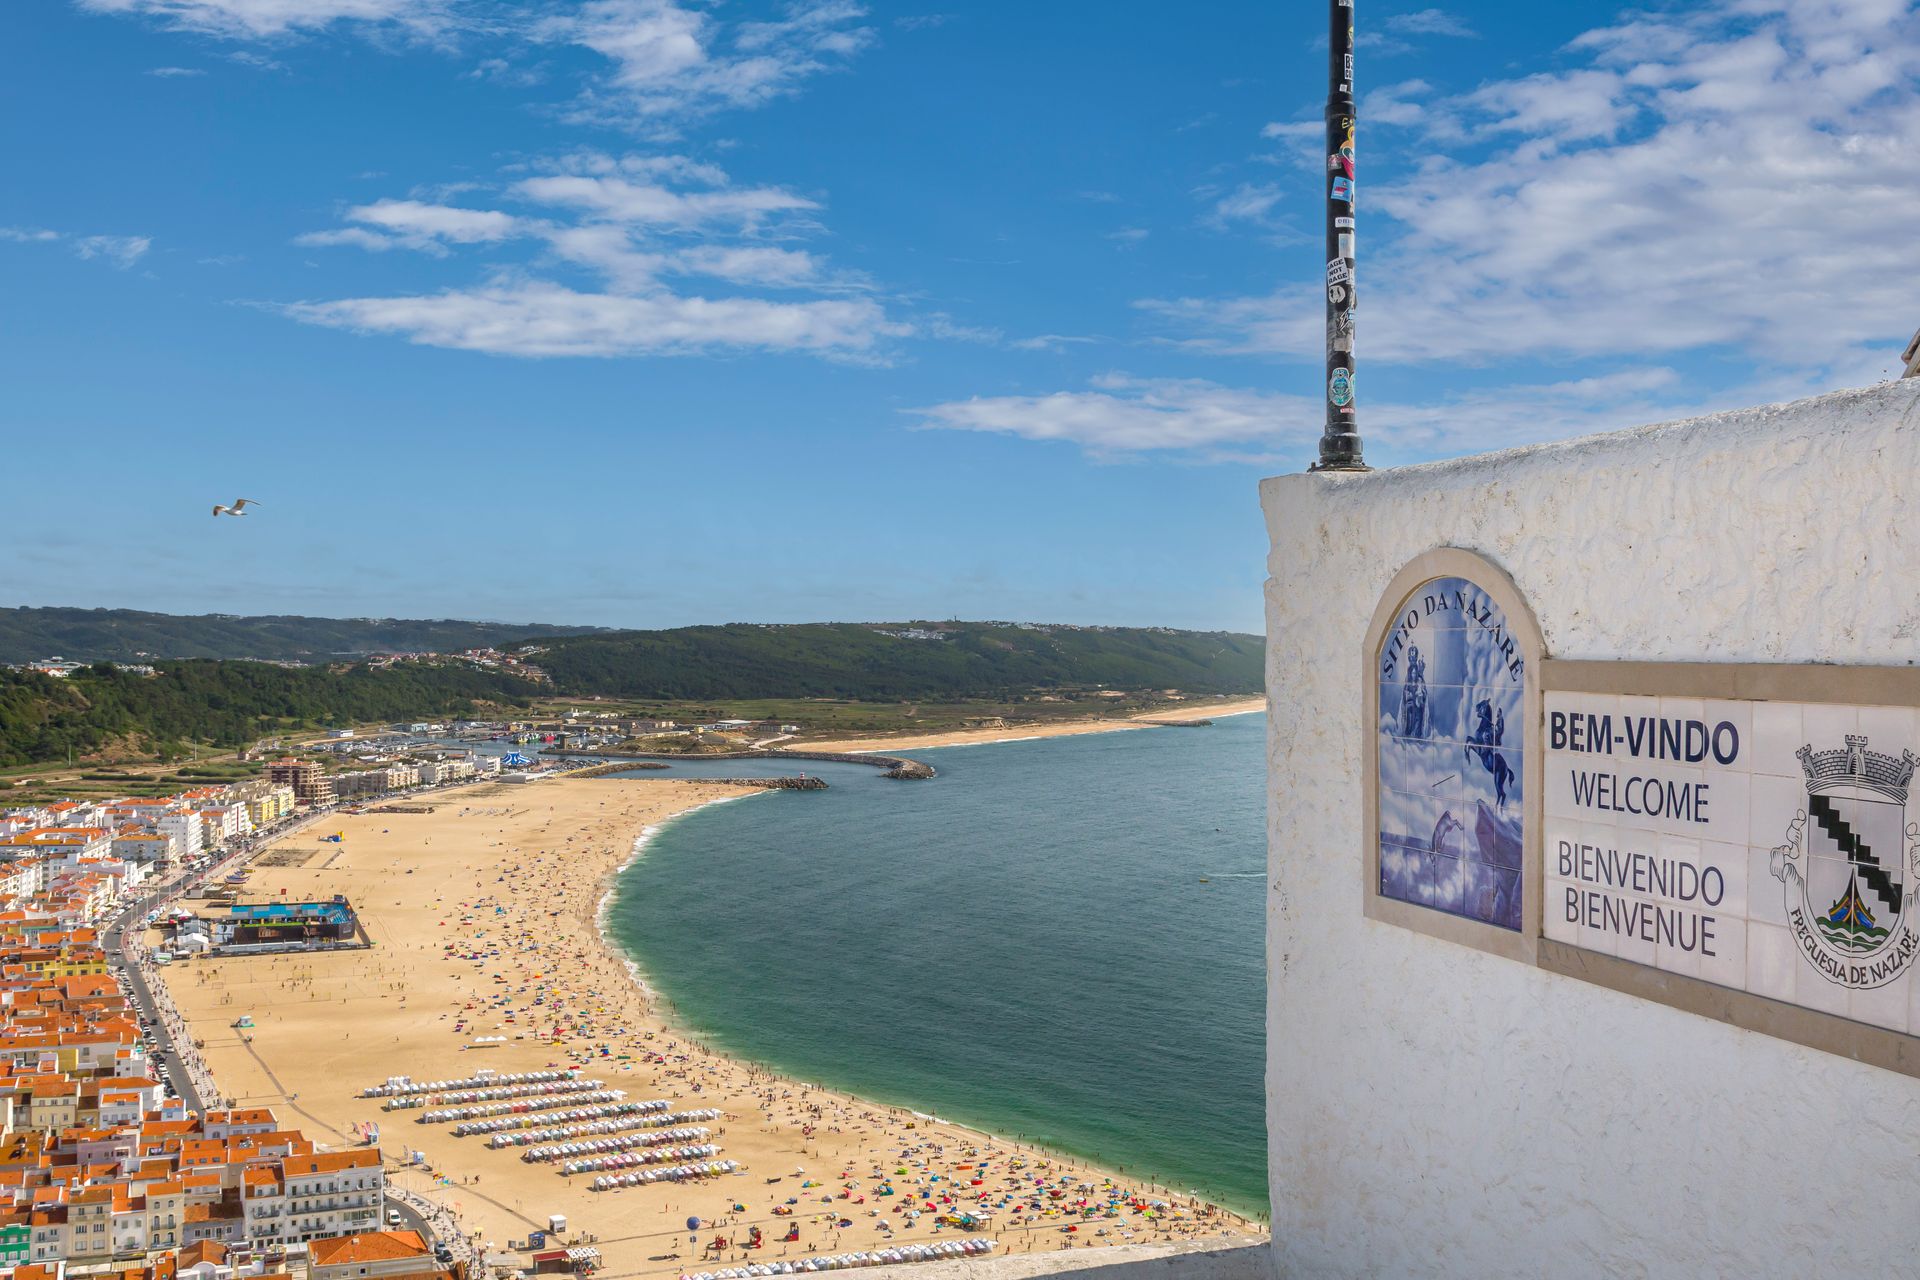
(650, 312)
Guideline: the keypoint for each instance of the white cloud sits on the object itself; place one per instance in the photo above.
(650, 204)
(633, 223)
(1736, 176)
(411, 218)
(671, 60)
(121, 251)
(1054, 342)
(1118, 415)
(260, 19)
(540, 319)
(947, 329)
(749, 265)
(1127, 415)
(1249, 202)
(356, 237)
(170, 73)
(1430, 22)
(116, 251)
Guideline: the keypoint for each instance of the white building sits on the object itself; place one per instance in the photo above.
(1571, 1094)
(185, 830)
(306, 1198)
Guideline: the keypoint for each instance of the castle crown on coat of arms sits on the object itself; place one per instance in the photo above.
(1859, 767)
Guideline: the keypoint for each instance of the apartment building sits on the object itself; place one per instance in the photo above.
(310, 1197)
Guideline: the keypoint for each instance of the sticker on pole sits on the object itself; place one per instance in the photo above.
(1340, 388)
(1343, 190)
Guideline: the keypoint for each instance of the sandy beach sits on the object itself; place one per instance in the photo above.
(482, 911)
(1209, 709)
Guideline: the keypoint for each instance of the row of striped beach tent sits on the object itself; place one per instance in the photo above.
(618, 1142)
(503, 1124)
(679, 1173)
(546, 1088)
(561, 1133)
(402, 1086)
(520, 1107)
(934, 1252)
(636, 1159)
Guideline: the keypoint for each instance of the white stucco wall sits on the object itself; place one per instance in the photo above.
(1436, 1110)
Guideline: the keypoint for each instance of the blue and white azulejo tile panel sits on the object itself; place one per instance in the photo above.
(1450, 739)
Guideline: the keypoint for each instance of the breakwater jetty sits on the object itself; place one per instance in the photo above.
(898, 767)
(617, 766)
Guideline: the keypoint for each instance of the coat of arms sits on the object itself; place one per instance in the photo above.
(1851, 865)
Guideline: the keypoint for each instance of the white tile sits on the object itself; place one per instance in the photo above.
(1628, 840)
(1683, 709)
(1827, 724)
(1679, 849)
(1813, 991)
(1602, 939)
(1778, 732)
(1557, 801)
(1728, 819)
(1766, 894)
(1675, 958)
(1890, 730)
(1883, 1006)
(1669, 779)
(1560, 847)
(1738, 740)
(1727, 965)
(1590, 720)
(1553, 912)
(1773, 805)
(1731, 863)
(1772, 961)
(1635, 707)
(1636, 947)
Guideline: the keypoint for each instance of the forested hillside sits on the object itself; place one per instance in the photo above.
(224, 704)
(102, 710)
(128, 635)
(898, 660)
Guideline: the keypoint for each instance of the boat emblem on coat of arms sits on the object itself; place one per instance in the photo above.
(1851, 865)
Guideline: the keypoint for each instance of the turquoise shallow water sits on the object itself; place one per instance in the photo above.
(1022, 943)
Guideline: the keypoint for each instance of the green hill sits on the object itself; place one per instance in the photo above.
(102, 710)
(890, 661)
(129, 635)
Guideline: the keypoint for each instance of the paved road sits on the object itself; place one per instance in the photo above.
(132, 918)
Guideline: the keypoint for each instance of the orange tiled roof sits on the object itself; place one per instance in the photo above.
(374, 1246)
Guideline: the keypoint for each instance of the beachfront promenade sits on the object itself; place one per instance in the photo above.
(482, 912)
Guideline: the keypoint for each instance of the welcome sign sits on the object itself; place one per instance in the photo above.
(1763, 846)
(1732, 839)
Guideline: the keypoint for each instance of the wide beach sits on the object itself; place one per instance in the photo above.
(482, 912)
(1187, 713)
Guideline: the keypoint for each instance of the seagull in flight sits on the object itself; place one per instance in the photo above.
(239, 508)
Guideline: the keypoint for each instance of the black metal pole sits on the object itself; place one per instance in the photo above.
(1340, 440)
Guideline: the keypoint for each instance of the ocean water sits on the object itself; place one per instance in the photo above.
(1023, 943)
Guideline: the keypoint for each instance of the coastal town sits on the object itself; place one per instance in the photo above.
(291, 1023)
